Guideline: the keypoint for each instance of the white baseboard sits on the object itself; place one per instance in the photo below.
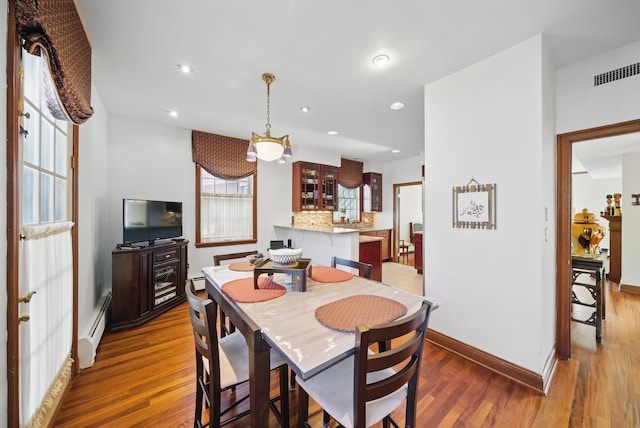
(90, 338)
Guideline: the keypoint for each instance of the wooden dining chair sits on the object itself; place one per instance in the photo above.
(363, 268)
(226, 326)
(403, 250)
(364, 389)
(224, 364)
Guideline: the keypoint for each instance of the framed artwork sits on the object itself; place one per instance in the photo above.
(474, 206)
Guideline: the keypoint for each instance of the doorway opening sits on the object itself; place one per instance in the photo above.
(563, 239)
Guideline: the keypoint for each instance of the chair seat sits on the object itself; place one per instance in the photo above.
(333, 391)
(234, 360)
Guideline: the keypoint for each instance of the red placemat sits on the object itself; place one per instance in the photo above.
(241, 290)
(345, 314)
(329, 274)
(241, 266)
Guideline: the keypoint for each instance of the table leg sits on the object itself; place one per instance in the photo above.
(599, 311)
(259, 381)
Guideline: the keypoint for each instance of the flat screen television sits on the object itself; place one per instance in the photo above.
(145, 220)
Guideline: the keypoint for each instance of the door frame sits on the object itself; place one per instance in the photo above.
(396, 214)
(563, 239)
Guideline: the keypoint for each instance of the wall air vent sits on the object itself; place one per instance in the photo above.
(617, 74)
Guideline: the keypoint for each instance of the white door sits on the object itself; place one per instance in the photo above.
(45, 262)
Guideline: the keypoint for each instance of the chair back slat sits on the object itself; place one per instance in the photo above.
(363, 268)
(400, 345)
(222, 257)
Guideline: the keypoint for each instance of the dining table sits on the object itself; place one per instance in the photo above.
(288, 324)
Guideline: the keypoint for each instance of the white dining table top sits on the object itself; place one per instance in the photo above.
(289, 325)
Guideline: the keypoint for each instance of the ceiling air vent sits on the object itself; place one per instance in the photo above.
(617, 74)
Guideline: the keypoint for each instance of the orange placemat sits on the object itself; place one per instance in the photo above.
(345, 314)
(241, 266)
(329, 274)
(241, 290)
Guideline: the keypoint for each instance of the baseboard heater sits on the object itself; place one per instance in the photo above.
(90, 337)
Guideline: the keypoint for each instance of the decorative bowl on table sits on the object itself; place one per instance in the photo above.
(285, 256)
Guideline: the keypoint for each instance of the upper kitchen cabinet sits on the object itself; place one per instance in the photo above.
(314, 187)
(372, 191)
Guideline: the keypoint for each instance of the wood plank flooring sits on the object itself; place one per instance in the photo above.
(145, 378)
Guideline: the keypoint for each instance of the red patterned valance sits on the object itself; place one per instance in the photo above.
(350, 173)
(54, 27)
(223, 157)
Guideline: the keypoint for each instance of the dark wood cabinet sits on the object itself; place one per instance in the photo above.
(315, 187)
(146, 282)
(372, 192)
(370, 252)
(385, 243)
(615, 247)
(417, 242)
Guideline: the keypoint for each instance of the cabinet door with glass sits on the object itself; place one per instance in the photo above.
(305, 186)
(329, 200)
(372, 191)
(314, 187)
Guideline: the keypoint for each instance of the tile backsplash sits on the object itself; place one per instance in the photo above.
(325, 218)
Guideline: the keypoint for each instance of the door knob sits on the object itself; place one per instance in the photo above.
(23, 318)
(27, 298)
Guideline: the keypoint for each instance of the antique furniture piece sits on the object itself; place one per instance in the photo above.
(615, 247)
(592, 267)
(147, 281)
(586, 234)
(213, 377)
(364, 389)
(288, 324)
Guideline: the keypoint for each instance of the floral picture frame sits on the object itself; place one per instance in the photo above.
(474, 206)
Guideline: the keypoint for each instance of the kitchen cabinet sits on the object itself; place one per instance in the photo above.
(372, 192)
(371, 252)
(314, 187)
(386, 241)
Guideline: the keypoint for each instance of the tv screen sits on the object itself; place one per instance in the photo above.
(145, 220)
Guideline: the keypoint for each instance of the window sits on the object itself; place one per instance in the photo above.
(45, 150)
(226, 208)
(348, 204)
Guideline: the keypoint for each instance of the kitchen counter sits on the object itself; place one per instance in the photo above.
(366, 239)
(336, 228)
(321, 243)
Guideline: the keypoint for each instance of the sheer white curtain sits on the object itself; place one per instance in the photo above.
(46, 268)
(226, 217)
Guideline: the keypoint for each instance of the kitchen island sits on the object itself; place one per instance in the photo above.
(322, 242)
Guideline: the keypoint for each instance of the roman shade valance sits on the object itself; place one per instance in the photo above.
(350, 173)
(54, 28)
(222, 157)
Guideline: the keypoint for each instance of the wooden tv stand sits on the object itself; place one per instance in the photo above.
(147, 281)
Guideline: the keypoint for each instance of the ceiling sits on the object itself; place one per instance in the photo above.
(602, 158)
(321, 54)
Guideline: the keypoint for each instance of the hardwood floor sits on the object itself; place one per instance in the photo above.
(145, 378)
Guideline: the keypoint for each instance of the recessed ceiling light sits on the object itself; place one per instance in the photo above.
(332, 132)
(380, 60)
(185, 68)
(397, 106)
(173, 113)
(395, 151)
(305, 109)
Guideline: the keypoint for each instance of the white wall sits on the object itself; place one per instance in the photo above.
(580, 105)
(401, 171)
(410, 210)
(3, 224)
(151, 161)
(591, 194)
(630, 220)
(583, 106)
(494, 284)
(93, 246)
